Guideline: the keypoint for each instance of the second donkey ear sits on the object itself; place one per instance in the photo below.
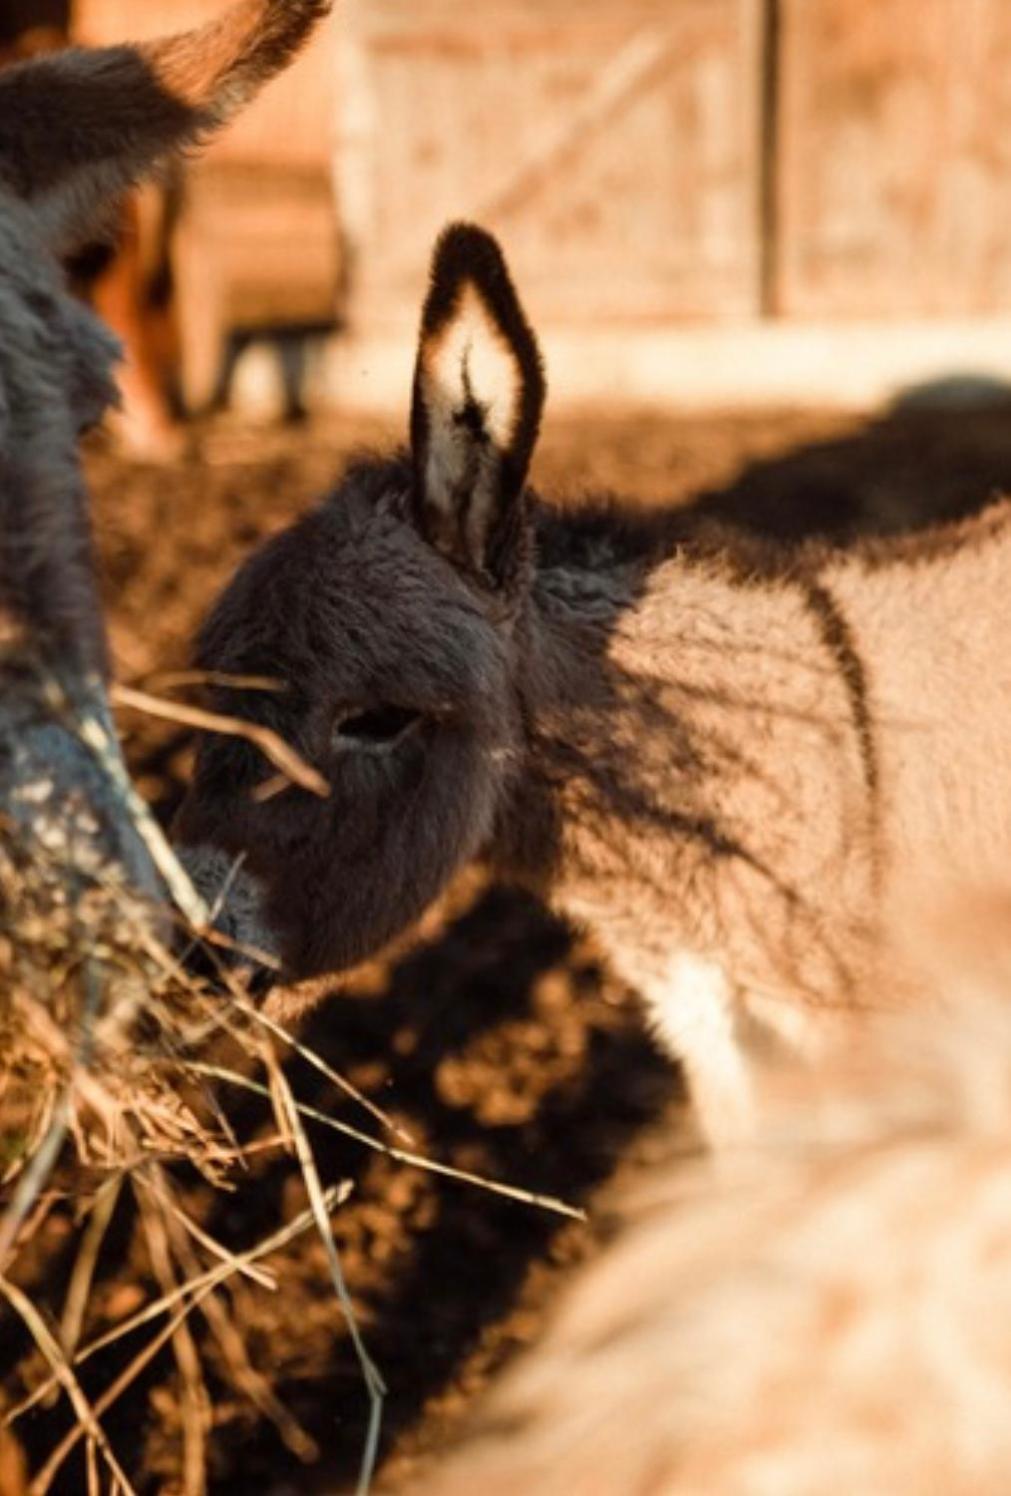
(478, 397)
(78, 128)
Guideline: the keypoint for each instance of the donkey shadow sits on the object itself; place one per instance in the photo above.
(502, 1051)
(939, 451)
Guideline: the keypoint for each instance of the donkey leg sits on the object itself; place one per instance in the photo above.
(692, 1007)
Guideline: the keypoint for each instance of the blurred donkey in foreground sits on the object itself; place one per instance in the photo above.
(76, 130)
(831, 1314)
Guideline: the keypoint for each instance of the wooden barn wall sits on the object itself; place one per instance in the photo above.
(613, 147)
(893, 161)
(645, 161)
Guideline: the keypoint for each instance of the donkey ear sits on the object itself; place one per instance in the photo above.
(478, 396)
(78, 127)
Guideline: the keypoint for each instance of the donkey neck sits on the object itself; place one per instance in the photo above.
(586, 674)
(760, 707)
(649, 679)
(592, 568)
(610, 591)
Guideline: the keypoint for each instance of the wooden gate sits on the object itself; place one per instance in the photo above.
(687, 160)
(614, 147)
(653, 167)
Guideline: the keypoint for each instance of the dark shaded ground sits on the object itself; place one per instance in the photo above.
(500, 1046)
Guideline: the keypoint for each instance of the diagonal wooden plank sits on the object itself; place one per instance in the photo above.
(640, 65)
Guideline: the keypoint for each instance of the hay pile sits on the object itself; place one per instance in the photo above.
(117, 1063)
(112, 1055)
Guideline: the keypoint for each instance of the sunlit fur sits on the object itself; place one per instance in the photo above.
(475, 415)
(832, 1315)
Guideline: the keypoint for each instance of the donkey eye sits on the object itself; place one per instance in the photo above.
(380, 726)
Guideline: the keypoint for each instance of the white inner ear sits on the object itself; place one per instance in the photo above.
(469, 362)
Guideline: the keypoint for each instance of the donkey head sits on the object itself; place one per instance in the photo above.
(393, 618)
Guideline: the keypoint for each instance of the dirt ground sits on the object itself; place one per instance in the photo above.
(500, 1046)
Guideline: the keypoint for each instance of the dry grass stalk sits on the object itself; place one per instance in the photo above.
(288, 1115)
(400, 1155)
(196, 1288)
(177, 680)
(190, 1295)
(278, 1031)
(87, 1425)
(156, 1183)
(96, 738)
(194, 1399)
(274, 748)
(81, 1279)
(230, 1342)
(94, 1051)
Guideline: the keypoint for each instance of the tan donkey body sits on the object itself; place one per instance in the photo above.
(799, 758)
(831, 1313)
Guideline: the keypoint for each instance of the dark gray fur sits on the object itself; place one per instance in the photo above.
(75, 130)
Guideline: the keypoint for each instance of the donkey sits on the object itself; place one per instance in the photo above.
(833, 1315)
(76, 130)
(725, 760)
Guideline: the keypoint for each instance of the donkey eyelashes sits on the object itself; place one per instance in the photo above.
(374, 728)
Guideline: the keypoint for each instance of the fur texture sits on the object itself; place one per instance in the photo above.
(832, 1315)
(76, 129)
(728, 762)
(79, 127)
(476, 411)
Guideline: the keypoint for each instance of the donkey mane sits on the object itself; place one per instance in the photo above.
(601, 530)
(597, 531)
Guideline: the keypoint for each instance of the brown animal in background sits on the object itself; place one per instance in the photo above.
(725, 762)
(834, 1316)
(127, 282)
(76, 129)
(116, 280)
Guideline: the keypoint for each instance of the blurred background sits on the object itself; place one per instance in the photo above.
(702, 200)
